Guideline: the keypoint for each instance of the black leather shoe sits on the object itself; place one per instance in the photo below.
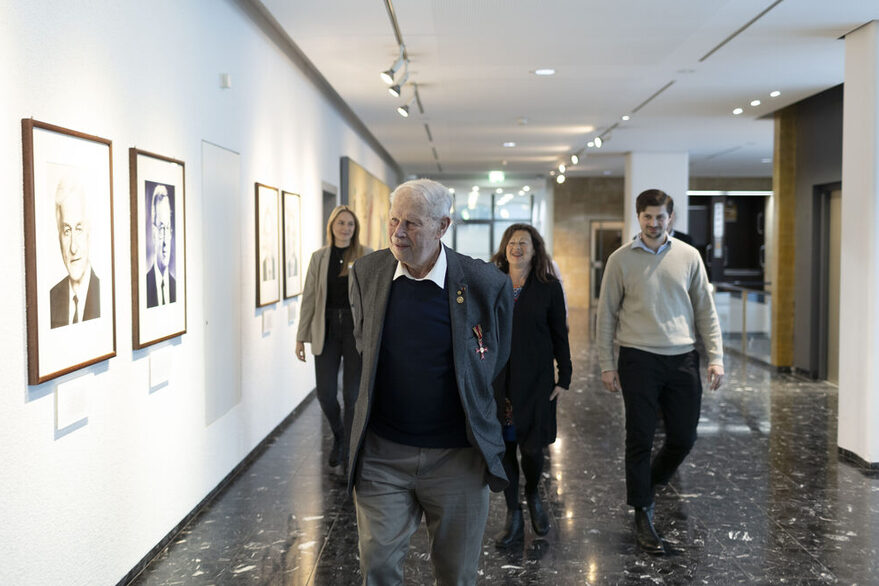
(514, 530)
(645, 533)
(336, 452)
(539, 519)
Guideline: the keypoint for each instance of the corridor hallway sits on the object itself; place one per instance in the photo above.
(762, 499)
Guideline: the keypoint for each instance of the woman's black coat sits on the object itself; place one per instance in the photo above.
(540, 335)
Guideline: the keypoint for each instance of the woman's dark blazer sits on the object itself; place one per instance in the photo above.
(540, 335)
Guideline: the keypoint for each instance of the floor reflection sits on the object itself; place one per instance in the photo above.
(763, 498)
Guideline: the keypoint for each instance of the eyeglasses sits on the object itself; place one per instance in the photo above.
(164, 230)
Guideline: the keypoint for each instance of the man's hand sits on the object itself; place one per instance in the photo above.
(611, 380)
(715, 377)
(300, 351)
(556, 392)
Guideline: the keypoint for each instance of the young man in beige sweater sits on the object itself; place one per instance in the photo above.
(655, 299)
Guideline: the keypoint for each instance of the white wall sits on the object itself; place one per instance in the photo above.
(83, 507)
(859, 258)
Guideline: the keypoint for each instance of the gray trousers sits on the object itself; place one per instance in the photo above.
(396, 485)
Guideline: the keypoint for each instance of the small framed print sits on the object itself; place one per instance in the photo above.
(292, 208)
(158, 247)
(268, 246)
(69, 265)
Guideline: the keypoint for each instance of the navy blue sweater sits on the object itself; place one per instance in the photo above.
(416, 396)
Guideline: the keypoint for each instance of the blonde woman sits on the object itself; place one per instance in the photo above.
(325, 322)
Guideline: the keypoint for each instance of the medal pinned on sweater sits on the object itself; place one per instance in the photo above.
(477, 329)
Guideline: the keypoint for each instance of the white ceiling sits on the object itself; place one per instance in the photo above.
(473, 63)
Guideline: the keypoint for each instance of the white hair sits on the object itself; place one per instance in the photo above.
(435, 195)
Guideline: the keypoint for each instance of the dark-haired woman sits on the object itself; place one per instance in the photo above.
(527, 389)
(325, 321)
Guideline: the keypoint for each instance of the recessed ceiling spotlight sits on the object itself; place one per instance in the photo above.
(499, 190)
(575, 159)
(561, 168)
(452, 190)
(509, 144)
(626, 117)
(527, 188)
(521, 192)
(755, 102)
(737, 111)
(598, 142)
(475, 188)
(560, 179)
(552, 173)
(544, 71)
(774, 94)
(590, 144)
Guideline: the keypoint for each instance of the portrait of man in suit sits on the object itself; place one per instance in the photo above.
(77, 297)
(434, 329)
(161, 285)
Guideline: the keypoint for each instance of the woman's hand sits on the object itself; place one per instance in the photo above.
(300, 351)
(556, 392)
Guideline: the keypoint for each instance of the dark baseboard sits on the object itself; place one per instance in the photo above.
(853, 458)
(216, 492)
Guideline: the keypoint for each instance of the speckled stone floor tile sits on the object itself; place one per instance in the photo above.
(762, 499)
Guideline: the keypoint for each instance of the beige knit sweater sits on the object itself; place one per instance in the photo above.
(656, 303)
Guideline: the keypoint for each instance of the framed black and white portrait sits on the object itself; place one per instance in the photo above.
(68, 229)
(268, 246)
(158, 247)
(292, 207)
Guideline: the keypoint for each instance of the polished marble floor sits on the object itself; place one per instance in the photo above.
(762, 499)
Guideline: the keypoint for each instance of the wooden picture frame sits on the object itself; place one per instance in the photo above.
(268, 245)
(292, 224)
(158, 247)
(68, 205)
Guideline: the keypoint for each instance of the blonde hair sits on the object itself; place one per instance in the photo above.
(355, 249)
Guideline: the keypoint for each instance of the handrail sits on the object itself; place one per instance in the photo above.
(742, 289)
(730, 287)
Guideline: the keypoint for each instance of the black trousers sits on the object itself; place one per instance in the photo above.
(654, 384)
(338, 348)
(532, 466)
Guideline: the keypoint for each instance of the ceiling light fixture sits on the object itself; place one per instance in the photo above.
(626, 117)
(737, 111)
(526, 188)
(499, 190)
(509, 144)
(598, 142)
(544, 71)
(404, 110)
(575, 159)
(591, 144)
(396, 90)
(388, 75)
(560, 179)
(755, 103)
(561, 167)
(774, 94)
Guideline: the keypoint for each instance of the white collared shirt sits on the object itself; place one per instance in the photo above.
(437, 274)
(78, 307)
(161, 283)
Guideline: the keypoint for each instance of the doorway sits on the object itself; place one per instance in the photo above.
(833, 260)
(606, 237)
